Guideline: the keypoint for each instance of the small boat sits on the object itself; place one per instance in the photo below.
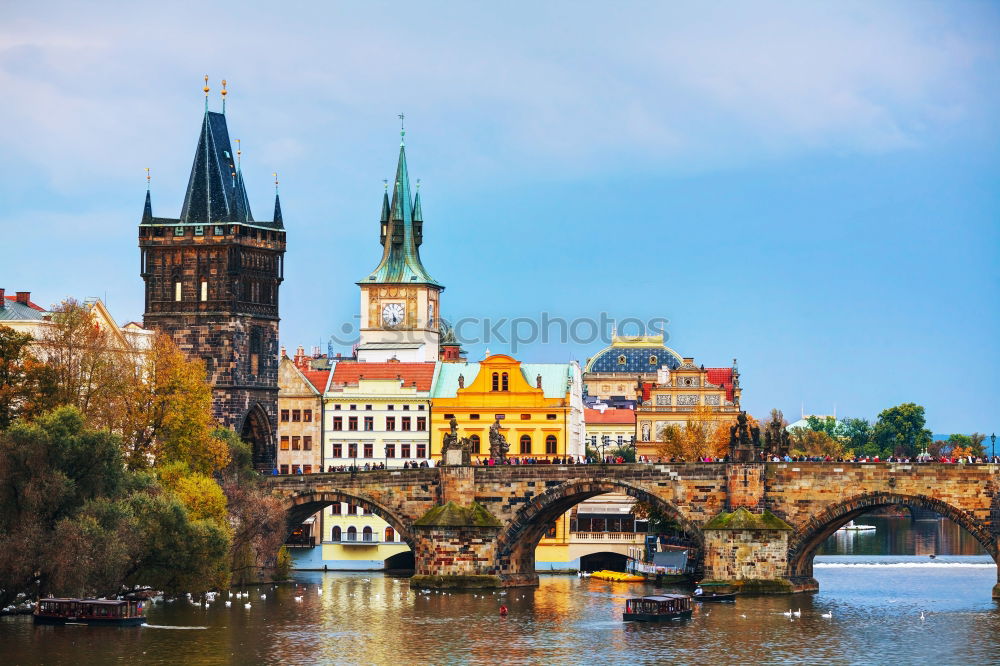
(659, 608)
(850, 526)
(110, 612)
(715, 597)
(618, 577)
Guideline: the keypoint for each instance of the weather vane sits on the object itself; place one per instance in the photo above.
(402, 128)
(224, 93)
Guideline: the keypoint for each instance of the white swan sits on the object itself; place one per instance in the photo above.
(319, 591)
(827, 615)
(228, 604)
(798, 613)
(922, 615)
(298, 598)
(263, 596)
(247, 605)
(788, 613)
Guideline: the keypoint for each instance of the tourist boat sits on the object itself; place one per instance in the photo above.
(850, 526)
(659, 608)
(715, 597)
(112, 612)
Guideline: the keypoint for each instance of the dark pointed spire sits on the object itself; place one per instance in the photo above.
(147, 211)
(212, 193)
(418, 214)
(385, 202)
(277, 205)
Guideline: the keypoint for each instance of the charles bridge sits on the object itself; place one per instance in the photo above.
(757, 525)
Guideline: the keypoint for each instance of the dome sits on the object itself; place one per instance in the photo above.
(634, 355)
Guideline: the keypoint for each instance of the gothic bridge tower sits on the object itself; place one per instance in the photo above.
(212, 278)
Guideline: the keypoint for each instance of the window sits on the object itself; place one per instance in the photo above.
(295, 443)
(550, 531)
(307, 443)
(204, 290)
(178, 231)
(177, 291)
(368, 450)
(652, 359)
(421, 423)
(338, 450)
(499, 417)
(284, 442)
(475, 443)
(405, 450)
(390, 450)
(421, 450)
(352, 533)
(525, 417)
(473, 417)
(368, 408)
(622, 360)
(369, 423)
(284, 469)
(352, 422)
(219, 231)
(338, 422)
(199, 230)
(505, 386)
(367, 534)
(255, 348)
(496, 381)
(307, 469)
(449, 417)
(390, 423)
(354, 408)
(420, 408)
(525, 444)
(621, 440)
(307, 415)
(352, 450)
(284, 416)
(335, 535)
(389, 407)
(336, 508)
(336, 408)
(404, 423)
(296, 416)
(390, 534)
(550, 417)
(550, 445)
(406, 408)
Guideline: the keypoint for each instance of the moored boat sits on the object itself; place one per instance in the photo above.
(111, 612)
(718, 598)
(658, 608)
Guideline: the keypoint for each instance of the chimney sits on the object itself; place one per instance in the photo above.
(3, 299)
(23, 297)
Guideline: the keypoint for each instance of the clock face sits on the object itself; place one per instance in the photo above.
(392, 315)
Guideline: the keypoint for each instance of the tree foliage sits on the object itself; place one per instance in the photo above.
(900, 430)
(704, 433)
(27, 386)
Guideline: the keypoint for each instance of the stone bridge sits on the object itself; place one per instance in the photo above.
(757, 525)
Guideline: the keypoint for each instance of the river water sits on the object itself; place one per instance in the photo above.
(875, 584)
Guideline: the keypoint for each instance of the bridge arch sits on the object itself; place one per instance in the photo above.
(301, 505)
(806, 539)
(517, 540)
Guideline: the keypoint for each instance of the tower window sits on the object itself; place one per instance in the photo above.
(199, 230)
(504, 383)
(219, 231)
(204, 290)
(496, 379)
(652, 360)
(178, 231)
(255, 351)
(177, 291)
(621, 359)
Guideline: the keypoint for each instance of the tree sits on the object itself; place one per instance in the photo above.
(703, 434)
(808, 442)
(900, 430)
(856, 434)
(658, 521)
(976, 443)
(27, 386)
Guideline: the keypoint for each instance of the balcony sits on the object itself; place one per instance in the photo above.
(607, 537)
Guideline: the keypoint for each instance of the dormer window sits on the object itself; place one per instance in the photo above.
(178, 231)
(622, 360)
(652, 359)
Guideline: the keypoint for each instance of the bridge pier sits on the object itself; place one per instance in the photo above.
(455, 547)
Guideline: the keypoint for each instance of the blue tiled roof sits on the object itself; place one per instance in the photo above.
(638, 359)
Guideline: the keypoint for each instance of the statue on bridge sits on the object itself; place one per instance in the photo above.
(498, 444)
(744, 440)
(776, 440)
(455, 451)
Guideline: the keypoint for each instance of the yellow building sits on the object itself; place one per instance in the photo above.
(539, 406)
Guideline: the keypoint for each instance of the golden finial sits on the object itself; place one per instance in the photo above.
(239, 149)
(224, 91)
(206, 88)
(147, 178)
(275, 182)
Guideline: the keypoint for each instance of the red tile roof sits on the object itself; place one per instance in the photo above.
(609, 416)
(317, 378)
(722, 377)
(349, 372)
(31, 304)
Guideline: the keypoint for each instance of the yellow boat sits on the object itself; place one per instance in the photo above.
(617, 577)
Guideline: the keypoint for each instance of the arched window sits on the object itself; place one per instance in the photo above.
(496, 382)
(652, 359)
(336, 533)
(352, 533)
(525, 444)
(367, 534)
(622, 359)
(390, 535)
(550, 445)
(475, 443)
(505, 385)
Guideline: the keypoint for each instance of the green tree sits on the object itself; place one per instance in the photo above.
(284, 564)
(900, 430)
(857, 433)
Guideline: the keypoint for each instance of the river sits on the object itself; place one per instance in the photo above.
(875, 584)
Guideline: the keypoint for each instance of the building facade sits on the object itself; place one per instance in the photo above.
(211, 281)
(608, 428)
(615, 372)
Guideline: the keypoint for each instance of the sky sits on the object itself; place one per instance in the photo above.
(811, 188)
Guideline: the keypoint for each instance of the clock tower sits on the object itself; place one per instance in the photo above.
(400, 301)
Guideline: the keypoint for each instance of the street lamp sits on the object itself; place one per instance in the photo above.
(993, 445)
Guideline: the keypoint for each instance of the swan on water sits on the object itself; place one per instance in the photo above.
(827, 615)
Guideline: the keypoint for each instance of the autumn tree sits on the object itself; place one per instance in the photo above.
(27, 386)
(705, 433)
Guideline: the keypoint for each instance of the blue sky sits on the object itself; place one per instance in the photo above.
(811, 188)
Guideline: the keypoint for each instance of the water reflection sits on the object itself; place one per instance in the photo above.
(903, 536)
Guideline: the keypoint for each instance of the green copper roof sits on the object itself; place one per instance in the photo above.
(401, 240)
(555, 378)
